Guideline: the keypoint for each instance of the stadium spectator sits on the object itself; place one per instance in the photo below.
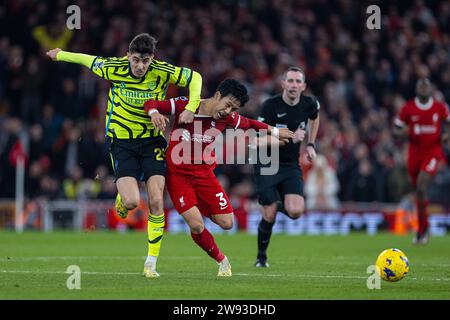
(363, 186)
(321, 186)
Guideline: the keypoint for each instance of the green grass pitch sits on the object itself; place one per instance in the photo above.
(33, 266)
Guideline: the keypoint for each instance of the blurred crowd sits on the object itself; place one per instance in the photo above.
(53, 113)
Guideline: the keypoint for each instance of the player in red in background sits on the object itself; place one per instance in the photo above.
(421, 119)
(192, 185)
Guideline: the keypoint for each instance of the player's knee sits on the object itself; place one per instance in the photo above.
(130, 202)
(226, 224)
(295, 212)
(270, 217)
(421, 191)
(270, 213)
(196, 227)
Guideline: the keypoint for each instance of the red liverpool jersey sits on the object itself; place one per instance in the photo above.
(191, 145)
(424, 122)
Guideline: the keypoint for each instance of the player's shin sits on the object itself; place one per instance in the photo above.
(264, 233)
(205, 240)
(155, 229)
(422, 210)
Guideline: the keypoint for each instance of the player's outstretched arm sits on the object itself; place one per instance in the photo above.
(72, 57)
(268, 140)
(281, 134)
(155, 109)
(195, 88)
(277, 137)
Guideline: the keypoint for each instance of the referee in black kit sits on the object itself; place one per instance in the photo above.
(284, 190)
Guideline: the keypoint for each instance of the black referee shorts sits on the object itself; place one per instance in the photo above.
(273, 188)
(138, 158)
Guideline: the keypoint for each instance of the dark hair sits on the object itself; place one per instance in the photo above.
(143, 43)
(234, 88)
(295, 69)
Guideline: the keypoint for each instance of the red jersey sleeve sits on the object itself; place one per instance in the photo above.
(236, 121)
(402, 118)
(172, 106)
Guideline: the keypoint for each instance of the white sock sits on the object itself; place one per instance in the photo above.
(151, 260)
(224, 259)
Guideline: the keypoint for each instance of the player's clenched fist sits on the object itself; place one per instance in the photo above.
(186, 117)
(52, 53)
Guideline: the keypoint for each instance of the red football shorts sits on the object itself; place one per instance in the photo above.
(424, 161)
(201, 190)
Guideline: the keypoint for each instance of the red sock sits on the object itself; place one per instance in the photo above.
(206, 241)
(423, 215)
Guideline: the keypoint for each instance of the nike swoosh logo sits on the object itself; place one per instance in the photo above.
(280, 115)
(155, 240)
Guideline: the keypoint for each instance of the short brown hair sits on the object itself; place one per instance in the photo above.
(295, 69)
(143, 44)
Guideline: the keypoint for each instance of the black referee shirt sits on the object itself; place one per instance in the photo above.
(277, 113)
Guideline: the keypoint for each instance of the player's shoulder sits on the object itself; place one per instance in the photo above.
(114, 61)
(231, 118)
(162, 66)
(272, 101)
(440, 104)
(181, 100)
(311, 101)
(409, 104)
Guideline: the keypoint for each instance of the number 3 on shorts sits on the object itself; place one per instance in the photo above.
(222, 201)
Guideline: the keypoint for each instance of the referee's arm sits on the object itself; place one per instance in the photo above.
(313, 129)
(310, 149)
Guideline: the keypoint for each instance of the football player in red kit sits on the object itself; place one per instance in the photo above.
(421, 119)
(191, 183)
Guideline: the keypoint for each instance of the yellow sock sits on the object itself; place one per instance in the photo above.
(155, 229)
